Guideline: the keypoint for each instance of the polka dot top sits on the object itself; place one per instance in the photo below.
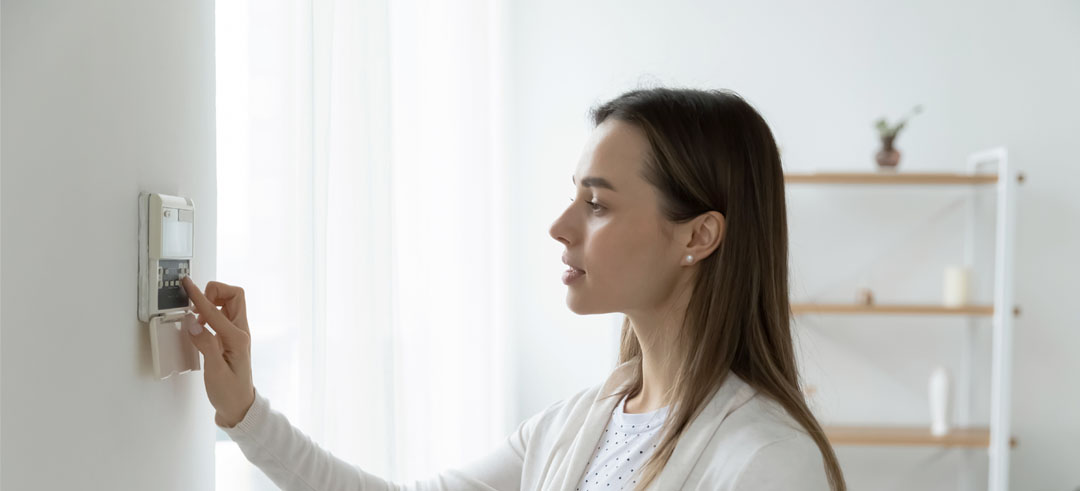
(624, 447)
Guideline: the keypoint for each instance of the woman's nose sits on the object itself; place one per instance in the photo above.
(557, 229)
(553, 230)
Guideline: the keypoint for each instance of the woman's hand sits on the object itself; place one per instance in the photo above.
(227, 355)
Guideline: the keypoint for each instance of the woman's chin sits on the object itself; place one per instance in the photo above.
(575, 304)
(579, 306)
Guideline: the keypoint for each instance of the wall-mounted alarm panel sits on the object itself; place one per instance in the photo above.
(166, 252)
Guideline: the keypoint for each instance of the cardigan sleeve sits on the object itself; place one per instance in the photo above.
(793, 462)
(295, 463)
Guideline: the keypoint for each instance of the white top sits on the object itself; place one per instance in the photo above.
(741, 440)
(627, 443)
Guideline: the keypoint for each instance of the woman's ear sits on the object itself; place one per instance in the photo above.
(706, 233)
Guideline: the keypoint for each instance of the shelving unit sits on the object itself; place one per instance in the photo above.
(997, 437)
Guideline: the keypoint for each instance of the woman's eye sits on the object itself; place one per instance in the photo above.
(595, 206)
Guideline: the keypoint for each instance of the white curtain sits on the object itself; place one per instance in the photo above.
(361, 198)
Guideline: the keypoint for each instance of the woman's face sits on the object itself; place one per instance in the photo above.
(613, 230)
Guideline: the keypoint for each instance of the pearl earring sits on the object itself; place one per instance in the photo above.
(689, 259)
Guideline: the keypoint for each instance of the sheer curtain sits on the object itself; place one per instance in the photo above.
(361, 198)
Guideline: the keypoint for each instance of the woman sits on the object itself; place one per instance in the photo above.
(680, 225)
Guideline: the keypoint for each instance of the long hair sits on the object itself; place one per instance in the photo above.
(710, 150)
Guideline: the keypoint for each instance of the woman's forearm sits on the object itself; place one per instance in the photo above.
(296, 463)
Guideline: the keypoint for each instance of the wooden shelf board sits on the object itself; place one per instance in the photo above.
(909, 436)
(888, 177)
(914, 309)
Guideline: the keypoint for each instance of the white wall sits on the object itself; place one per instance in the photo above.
(988, 74)
(101, 100)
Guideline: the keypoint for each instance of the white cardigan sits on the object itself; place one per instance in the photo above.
(742, 440)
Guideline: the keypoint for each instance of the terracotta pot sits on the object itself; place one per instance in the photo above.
(888, 157)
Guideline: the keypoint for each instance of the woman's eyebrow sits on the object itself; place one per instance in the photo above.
(591, 181)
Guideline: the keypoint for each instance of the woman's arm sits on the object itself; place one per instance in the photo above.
(283, 452)
(295, 463)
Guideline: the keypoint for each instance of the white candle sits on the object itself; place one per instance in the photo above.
(956, 286)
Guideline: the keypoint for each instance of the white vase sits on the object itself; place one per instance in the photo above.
(939, 401)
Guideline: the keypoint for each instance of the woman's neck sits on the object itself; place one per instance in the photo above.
(659, 360)
(656, 380)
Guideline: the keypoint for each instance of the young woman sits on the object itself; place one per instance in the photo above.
(679, 223)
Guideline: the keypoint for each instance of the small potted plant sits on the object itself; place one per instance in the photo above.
(888, 157)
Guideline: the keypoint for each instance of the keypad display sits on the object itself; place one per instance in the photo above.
(171, 293)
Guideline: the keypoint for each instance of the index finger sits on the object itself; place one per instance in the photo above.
(231, 298)
(215, 317)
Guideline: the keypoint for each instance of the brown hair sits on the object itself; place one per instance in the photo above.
(710, 150)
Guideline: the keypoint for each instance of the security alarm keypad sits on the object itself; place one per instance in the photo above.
(166, 252)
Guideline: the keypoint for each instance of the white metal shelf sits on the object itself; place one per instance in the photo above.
(996, 438)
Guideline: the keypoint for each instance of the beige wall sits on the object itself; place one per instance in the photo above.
(100, 100)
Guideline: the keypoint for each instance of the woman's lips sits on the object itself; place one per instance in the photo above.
(571, 274)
